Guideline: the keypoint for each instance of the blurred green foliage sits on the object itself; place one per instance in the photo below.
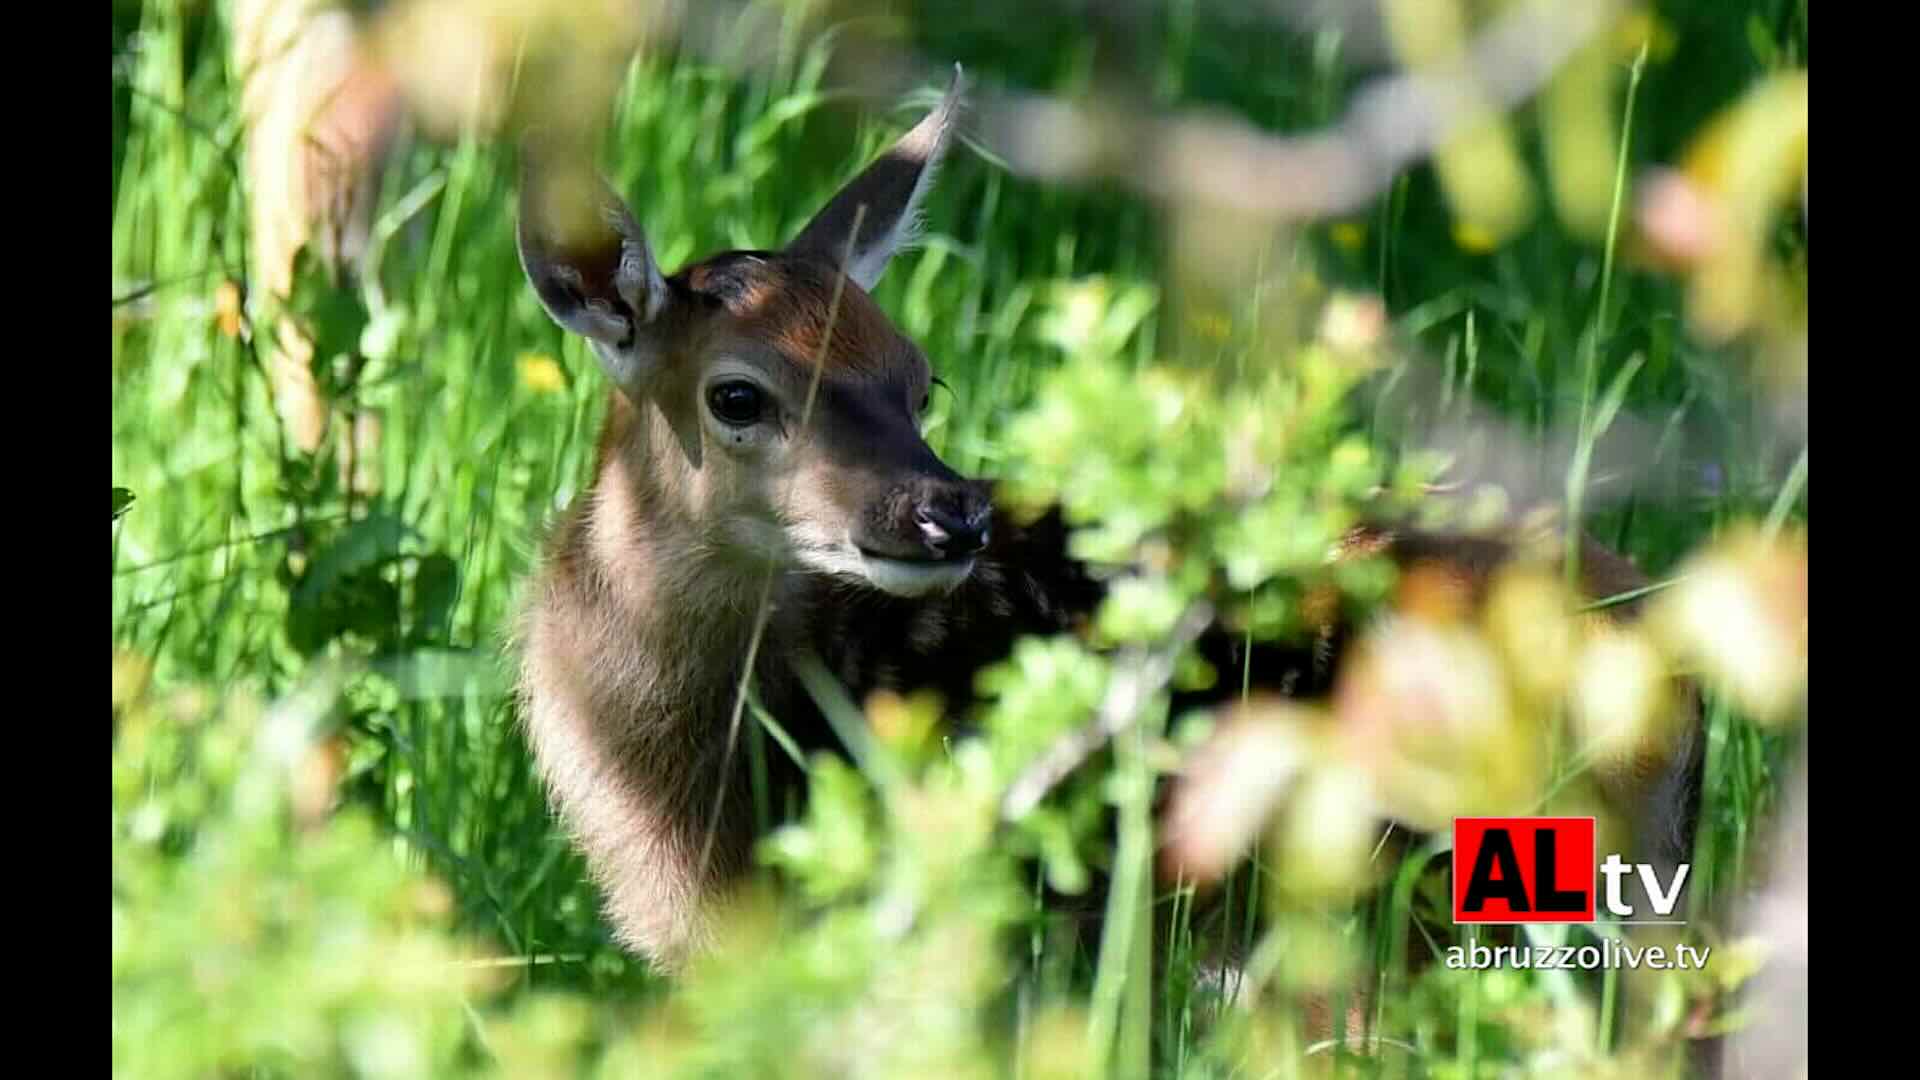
(361, 878)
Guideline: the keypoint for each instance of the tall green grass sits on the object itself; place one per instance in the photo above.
(239, 564)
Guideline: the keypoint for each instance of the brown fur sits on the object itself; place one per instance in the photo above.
(625, 708)
(643, 615)
(646, 616)
(789, 304)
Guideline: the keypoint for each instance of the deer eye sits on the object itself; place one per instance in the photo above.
(737, 402)
(926, 398)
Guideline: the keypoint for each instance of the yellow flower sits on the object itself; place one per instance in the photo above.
(541, 374)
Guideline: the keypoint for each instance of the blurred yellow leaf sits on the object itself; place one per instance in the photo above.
(1746, 167)
(1055, 1046)
(1474, 237)
(458, 58)
(1644, 28)
(1620, 695)
(132, 674)
(1426, 709)
(1581, 142)
(1529, 619)
(1479, 165)
(1230, 786)
(1739, 613)
(905, 724)
(1326, 836)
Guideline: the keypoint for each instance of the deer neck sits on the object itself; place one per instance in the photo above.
(682, 608)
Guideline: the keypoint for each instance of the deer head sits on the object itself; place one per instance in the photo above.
(773, 406)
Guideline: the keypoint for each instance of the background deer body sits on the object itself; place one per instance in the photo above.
(762, 491)
(324, 117)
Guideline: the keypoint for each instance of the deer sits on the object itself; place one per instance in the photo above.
(323, 117)
(763, 493)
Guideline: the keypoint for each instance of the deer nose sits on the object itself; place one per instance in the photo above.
(955, 526)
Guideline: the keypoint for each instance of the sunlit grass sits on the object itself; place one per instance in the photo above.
(241, 566)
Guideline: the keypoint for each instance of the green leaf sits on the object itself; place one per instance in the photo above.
(344, 591)
(1760, 40)
(334, 316)
(367, 542)
(436, 583)
(1141, 609)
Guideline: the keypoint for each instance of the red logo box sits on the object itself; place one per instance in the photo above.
(1523, 870)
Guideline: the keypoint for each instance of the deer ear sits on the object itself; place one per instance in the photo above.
(890, 190)
(589, 263)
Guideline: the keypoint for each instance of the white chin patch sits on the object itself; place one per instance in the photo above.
(903, 577)
(898, 577)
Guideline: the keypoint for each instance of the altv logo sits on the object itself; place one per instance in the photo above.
(1543, 870)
